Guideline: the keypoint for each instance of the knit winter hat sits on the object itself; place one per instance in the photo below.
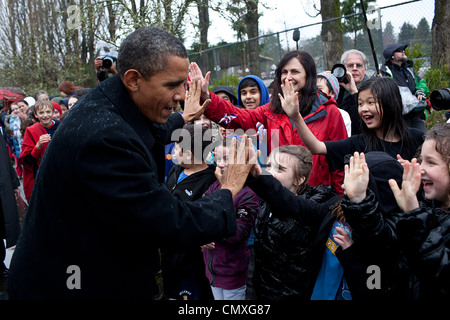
(57, 107)
(30, 100)
(332, 80)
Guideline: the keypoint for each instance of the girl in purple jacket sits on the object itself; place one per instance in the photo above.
(226, 261)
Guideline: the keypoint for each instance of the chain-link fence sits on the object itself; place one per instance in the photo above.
(408, 23)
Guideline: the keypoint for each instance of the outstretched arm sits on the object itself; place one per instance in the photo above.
(290, 105)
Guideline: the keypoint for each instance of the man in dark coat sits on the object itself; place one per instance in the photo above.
(9, 217)
(355, 62)
(399, 68)
(99, 210)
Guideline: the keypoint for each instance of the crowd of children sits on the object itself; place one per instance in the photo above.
(29, 124)
(321, 208)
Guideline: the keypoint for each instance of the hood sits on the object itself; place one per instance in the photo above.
(383, 167)
(391, 48)
(228, 90)
(265, 97)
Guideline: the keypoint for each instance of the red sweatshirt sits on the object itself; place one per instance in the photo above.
(31, 164)
(325, 122)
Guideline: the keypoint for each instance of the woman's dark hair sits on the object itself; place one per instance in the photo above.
(307, 95)
(389, 101)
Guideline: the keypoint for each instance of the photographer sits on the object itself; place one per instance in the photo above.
(355, 62)
(412, 88)
(102, 72)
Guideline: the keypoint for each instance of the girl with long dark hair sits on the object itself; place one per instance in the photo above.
(383, 128)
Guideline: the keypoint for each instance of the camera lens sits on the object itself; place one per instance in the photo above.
(339, 71)
(440, 99)
(107, 63)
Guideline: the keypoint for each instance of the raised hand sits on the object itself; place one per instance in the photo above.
(406, 197)
(289, 100)
(256, 170)
(192, 108)
(356, 178)
(196, 74)
(239, 165)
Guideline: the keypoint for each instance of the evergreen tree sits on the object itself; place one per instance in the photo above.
(406, 35)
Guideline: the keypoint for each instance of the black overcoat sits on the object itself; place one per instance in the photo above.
(9, 217)
(98, 211)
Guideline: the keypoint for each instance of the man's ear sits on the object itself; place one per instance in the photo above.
(131, 80)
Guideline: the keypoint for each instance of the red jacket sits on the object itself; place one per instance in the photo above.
(325, 122)
(31, 137)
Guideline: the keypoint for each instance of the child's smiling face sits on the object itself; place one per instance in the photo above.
(250, 97)
(435, 174)
(368, 109)
(45, 116)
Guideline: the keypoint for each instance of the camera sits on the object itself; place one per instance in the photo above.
(440, 99)
(108, 56)
(340, 72)
(108, 62)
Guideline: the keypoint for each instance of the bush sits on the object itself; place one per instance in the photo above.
(231, 81)
(437, 78)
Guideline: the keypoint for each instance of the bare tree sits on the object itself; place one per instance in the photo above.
(332, 33)
(243, 17)
(44, 42)
(252, 26)
(203, 26)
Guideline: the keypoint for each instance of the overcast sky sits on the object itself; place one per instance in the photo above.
(287, 14)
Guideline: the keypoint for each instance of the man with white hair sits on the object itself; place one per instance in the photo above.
(355, 62)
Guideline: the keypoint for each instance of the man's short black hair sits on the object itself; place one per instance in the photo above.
(147, 50)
